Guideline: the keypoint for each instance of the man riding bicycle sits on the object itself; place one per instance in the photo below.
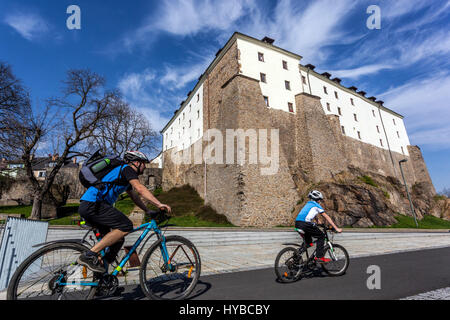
(303, 222)
(96, 207)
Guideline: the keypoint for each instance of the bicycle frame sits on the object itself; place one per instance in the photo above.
(149, 226)
(327, 242)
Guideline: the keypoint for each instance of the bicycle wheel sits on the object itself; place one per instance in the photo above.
(51, 273)
(288, 265)
(339, 260)
(176, 281)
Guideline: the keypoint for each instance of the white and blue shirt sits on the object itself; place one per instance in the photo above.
(309, 211)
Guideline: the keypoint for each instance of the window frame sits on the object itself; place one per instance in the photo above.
(261, 76)
(291, 107)
(261, 56)
(287, 85)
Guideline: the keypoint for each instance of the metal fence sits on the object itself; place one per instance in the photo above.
(18, 238)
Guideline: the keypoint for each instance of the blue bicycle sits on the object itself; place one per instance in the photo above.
(170, 268)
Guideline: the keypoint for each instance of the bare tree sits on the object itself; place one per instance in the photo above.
(15, 109)
(75, 117)
(124, 129)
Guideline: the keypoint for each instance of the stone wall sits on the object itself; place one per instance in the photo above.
(151, 178)
(312, 150)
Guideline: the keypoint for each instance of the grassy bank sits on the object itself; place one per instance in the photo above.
(187, 207)
(428, 222)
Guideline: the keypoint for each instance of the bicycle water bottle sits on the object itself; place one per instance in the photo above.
(100, 166)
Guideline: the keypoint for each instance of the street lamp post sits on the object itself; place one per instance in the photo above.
(407, 192)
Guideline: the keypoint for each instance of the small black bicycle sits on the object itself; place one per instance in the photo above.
(295, 260)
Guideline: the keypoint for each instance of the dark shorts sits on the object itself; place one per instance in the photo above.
(104, 216)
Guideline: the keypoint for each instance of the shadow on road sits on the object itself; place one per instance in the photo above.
(135, 292)
(308, 274)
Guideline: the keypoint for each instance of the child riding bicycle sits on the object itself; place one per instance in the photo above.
(304, 222)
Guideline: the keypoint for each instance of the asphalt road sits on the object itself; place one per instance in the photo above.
(402, 275)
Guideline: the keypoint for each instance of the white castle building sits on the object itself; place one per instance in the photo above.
(282, 76)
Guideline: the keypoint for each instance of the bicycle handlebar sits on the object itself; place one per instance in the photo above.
(159, 215)
(327, 228)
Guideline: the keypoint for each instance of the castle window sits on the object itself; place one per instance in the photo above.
(356, 118)
(266, 100)
(328, 107)
(343, 129)
(190, 108)
(198, 114)
(339, 111)
(403, 151)
(198, 132)
(291, 107)
(351, 101)
(381, 142)
(198, 97)
(261, 56)
(373, 112)
(336, 95)
(285, 65)
(378, 129)
(189, 123)
(287, 84)
(325, 90)
(359, 135)
(304, 79)
(183, 115)
(263, 77)
(398, 135)
(393, 120)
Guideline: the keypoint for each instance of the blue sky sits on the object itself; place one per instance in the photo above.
(154, 51)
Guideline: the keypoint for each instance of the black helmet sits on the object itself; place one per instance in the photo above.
(131, 156)
(315, 195)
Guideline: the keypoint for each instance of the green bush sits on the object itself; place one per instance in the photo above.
(368, 180)
(157, 191)
(438, 197)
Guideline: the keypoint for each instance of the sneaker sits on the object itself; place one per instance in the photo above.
(90, 262)
(322, 260)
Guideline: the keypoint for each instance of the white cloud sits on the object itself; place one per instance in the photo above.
(133, 84)
(361, 71)
(307, 30)
(31, 26)
(426, 106)
(187, 18)
(178, 77)
(142, 92)
(435, 12)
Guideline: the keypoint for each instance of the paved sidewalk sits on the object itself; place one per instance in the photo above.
(440, 294)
